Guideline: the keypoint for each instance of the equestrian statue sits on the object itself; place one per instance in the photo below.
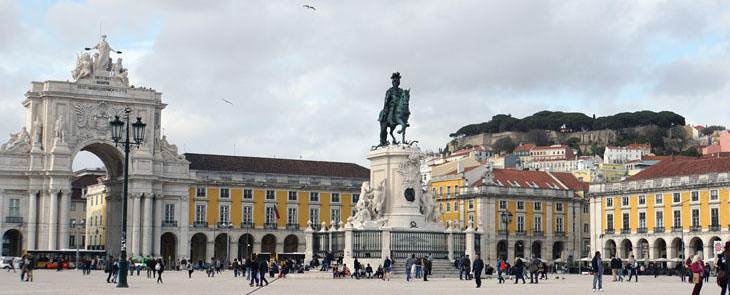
(395, 112)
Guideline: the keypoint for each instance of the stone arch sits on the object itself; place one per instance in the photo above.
(291, 244)
(677, 248)
(536, 249)
(221, 247)
(660, 249)
(168, 248)
(519, 249)
(558, 248)
(198, 245)
(626, 248)
(268, 244)
(696, 246)
(642, 250)
(111, 156)
(245, 245)
(609, 249)
(12, 243)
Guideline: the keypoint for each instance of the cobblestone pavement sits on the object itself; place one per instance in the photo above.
(72, 282)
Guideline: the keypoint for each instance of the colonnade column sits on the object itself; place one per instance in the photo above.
(32, 212)
(52, 220)
(135, 223)
(64, 220)
(147, 225)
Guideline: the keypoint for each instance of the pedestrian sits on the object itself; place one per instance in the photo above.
(501, 269)
(698, 268)
(467, 267)
(597, 265)
(369, 271)
(614, 268)
(427, 265)
(211, 267)
(518, 270)
(533, 270)
(22, 267)
(723, 266)
(419, 267)
(115, 271)
(235, 267)
(357, 266)
(159, 267)
(429, 258)
(387, 267)
(478, 267)
(263, 268)
(620, 270)
(109, 269)
(189, 266)
(706, 275)
(409, 264)
(633, 265)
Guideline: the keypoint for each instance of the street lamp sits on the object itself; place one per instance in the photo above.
(76, 234)
(118, 126)
(506, 218)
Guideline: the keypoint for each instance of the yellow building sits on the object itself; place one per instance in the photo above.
(669, 211)
(549, 215)
(245, 205)
(96, 223)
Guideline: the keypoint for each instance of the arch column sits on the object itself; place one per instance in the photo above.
(135, 241)
(32, 212)
(147, 228)
(64, 220)
(52, 220)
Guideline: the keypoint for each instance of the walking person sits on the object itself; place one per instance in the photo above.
(723, 266)
(254, 271)
(633, 265)
(698, 268)
(409, 264)
(22, 267)
(427, 265)
(519, 271)
(597, 265)
(235, 267)
(159, 267)
(109, 269)
(357, 266)
(467, 267)
(190, 269)
(620, 270)
(614, 268)
(263, 269)
(534, 266)
(501, 269)
(388, 268)
(478, 267)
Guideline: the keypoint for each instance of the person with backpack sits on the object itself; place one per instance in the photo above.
(501, 270)
(387, 268)
(190, 269)
(519, 270)
(159, 267)
(633, 265)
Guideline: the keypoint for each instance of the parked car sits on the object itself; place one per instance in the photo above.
(6, 260)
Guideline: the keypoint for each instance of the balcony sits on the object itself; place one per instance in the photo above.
(169, 223)
(715, 227)
(13, 219)
(538, 233)
(502, 232)
(610, 231)
(292, 226)
(695, 228)
(677, 228)
(641, 230)
(658, 229)
(247, 225)
(625, 231)
(316, 227)
(521, 233)
(560, 233)
(200, 224)
(270, 225)
(224, 225)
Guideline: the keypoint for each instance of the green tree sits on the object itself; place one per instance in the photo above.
(504, 144)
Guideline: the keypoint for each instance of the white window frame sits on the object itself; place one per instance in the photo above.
(292, 216)
(248, 194)
(270, 215)
(658, 199)
(270, 195)
(169, 212)
(314, 197)
(227, 194)
(247, 217)
(200, 212)
(332, 197)
(290, 194)
(224, 213)
(334, 210)
(200, 189)
(313, 210)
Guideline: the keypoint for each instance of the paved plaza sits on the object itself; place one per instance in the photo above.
(71, 282)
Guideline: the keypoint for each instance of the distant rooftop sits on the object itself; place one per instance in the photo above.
(275, 166)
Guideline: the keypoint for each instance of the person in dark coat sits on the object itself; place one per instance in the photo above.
(597, 265)
(519, 271)
(427, 264)
(263, 269)
(110, 269)
(478, 267)
(159, 268)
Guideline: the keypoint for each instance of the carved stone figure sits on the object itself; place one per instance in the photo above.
(37, 132)
(84, 67)
(395, 112)
(428, 207)
(18, 141)
(169, 151)
(59, 130)
(378, 195)
(103, 61)
(411, 172)
(363, 204)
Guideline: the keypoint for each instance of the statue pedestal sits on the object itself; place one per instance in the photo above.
(396, 168)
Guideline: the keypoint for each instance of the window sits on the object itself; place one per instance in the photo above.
(609, 202)
(169, 212)
(291, 217)
(520, 223)
(355, 198)
(520, 205)
(695, 217)
(448, 206)
(73, 206)
(335, 215)
(14, 209)
(586, 227)
(624, 201)
(658, 198)
(314, 197)
(714, 217)
(538, 223)
(247, 214)
(448, 191)
(676, 198)
(456, 206)
(199, 213)
(72, 241)
(695, 196)
(456, 190)
(559, 224)
(225, 193)
(502, 204)
(642, 199)
(660, 219)
(538, 206)
(471, 204)
(677, 218)
(335, 197)
(642, 219)
(292, 196)
(270, 195)
(270, 215)
(314, 215)
(248, 194)
(625, 221)
(587, 208)
(713, 195)
(559, 207)
(609, 221)
(200, 191)
(224, 214)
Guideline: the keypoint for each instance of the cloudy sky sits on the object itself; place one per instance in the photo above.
(310, 84)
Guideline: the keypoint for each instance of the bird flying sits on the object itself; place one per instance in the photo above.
(309, 7)
(223, 99)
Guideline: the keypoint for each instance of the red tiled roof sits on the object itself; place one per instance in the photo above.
(684, 167)
(524, 178)
(275, 166)
(550, 147)
(524, 147)
(571, 181)
(637, 146)
(81, 182)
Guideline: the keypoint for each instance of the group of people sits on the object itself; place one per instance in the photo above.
(154, 268)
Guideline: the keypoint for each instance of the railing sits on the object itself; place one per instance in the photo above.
(224, 225)
(13, 219)
(270, 225)
(292, 226)
(676, 228)
(538, 233)
(403, 244)
(695, 228)
(247, 225)
(200, 224)
(338, 243)
(521, 233)
(658, 229)
(169, 223)
(641, 230)
(459, 244)
(715, 227)
(609, 231)
(366, 244)
(502, 232)
(316, 227)
(659, 183)
(625, 231)
(560, 233)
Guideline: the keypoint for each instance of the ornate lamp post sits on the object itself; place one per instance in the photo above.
(76, 234)
(119, 126)
(506, 218)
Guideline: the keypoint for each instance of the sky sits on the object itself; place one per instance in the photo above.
(309, 83)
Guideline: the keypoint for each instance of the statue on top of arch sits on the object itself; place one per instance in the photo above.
(100, 63)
